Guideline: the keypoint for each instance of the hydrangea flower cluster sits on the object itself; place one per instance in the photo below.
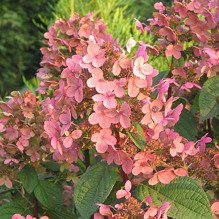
(95, 94)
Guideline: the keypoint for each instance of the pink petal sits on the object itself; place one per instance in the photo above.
(157, 117)
(120, 194)
(101, 147)
(76, 134)
(68, 142)
(128, 185)
(93, 49)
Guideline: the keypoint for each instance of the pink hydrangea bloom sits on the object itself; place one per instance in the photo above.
(142, 69)
(103, 139)
(95, 55)
(173, 50)
(142, 163)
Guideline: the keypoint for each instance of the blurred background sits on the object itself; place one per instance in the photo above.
(23, 23)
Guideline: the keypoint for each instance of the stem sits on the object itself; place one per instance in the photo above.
(87, 158)
(169, 94)
(36, 208)
(209, 128)
(123, 175)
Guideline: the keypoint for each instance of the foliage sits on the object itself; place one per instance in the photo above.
(20, 41)
(102, 117)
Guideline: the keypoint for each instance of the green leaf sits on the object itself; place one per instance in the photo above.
(51, 165)
(28, 178)
(137, 136)
(188, 200)
(94, 187)
(61, 212)
(209, 98)
(18, 205)
(187, 126)
(48, 194)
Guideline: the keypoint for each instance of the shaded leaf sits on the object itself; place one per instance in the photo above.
(94, 187)
(28, 177)
(187, 126)
(209, 98)
(188, 200)
(48, 194)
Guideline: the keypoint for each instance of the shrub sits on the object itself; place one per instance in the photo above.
(112, 132)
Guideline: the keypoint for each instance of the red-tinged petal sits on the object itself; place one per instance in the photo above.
(147, 69)
(157, 117)
(8, 183)
(98, 216)
(127, 165)
(116, 68)
(98, 97)
(101, 147)
(68, 142)
(136, 170)
(147, 170)
(110, 102)
(93, 49)
(87, 59)
(215, 208)
(76, 134)
(133, 91)
(128, 185)
(181, 172)
(125, 121)
(110, 140)
(120, 194)
(146, 119)
(98, 62)
(166, 176)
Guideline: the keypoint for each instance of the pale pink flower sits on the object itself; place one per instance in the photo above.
(142, 163)
(152, 111)
(177, 146)
(107, 98)
(69, 140)
(122, 63)
(103, 139)
(164, 176)
(160, 7)
(65, 120)
(118, 87)
(122, 115)
(100, 116)
(174, 50)
(120, 157)
(97, 81)
(135, 84)
(75, 89)
(157, 212)
(130, 44)
(142, 69)
(95, 55)
(11, 161)
(125, 192)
